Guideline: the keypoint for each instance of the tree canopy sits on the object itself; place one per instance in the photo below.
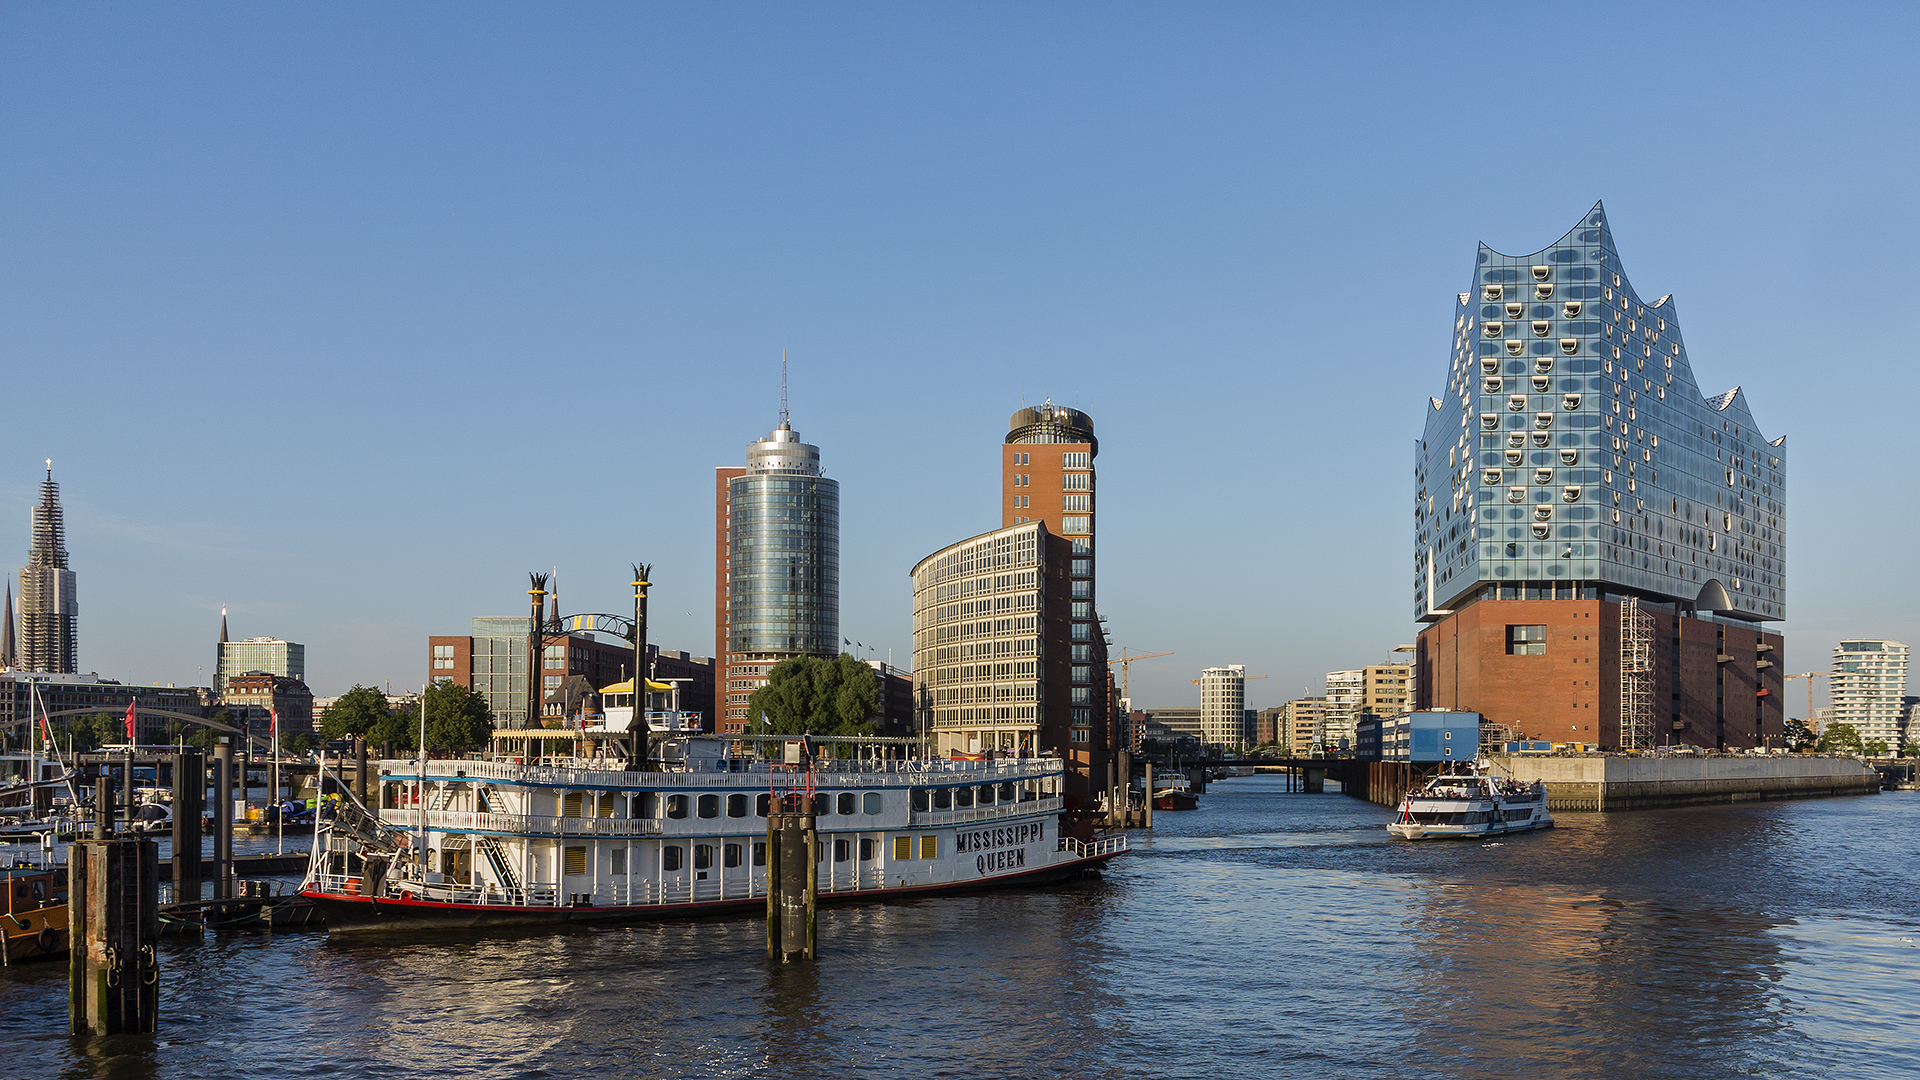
(1839, 739)
(354, 713)
(1799, 736)
(457, 719)
(813, 695)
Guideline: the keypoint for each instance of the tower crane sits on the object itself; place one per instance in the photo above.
(1126, 659)
(1809, 676)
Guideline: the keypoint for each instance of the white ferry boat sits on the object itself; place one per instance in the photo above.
(1470, 805)
(504, 842)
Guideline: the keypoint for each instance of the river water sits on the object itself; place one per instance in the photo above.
(1268, 934)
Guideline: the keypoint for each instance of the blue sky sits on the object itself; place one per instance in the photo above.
(348, 316)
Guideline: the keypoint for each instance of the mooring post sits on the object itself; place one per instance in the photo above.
(113, 975)
(792, 881)
(102, 807)
(189, 794)
(360, 771)
(1149, 797)
(222, 821)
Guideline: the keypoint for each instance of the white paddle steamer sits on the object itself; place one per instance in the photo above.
(470, 843)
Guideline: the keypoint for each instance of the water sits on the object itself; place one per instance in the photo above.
(1267, 934)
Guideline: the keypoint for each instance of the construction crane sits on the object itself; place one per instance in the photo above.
(1126, 659)
(1809, 676)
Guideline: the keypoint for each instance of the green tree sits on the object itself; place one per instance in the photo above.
(1839, 739)
(1910, 749)
(1799, 736)
(812, 695)
(457, 718)
(1874, 748)
(297, 745)
(396, 729)
(354, 713)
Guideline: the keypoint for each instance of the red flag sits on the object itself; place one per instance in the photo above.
(273, 722)
(47, 727)
(132, 733)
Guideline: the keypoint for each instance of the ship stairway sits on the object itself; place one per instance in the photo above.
(498, 860)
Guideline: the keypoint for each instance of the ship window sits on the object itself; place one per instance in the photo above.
(870, 802)
(1526, 640)
(676, 806)
(842, 851)
(943, 798)
(617, 862)
(985, 795)
(645, 804)
(866, 849)
(703, 856)
(609, 804)
(919, 798)
(730, 855)
(709, 806)
(570, 803)
(846, 801)
(963, 798)
(761, 805)
(672, 857)
(1006, 793)
(736, 806)
(760, 853)
(576, 861)
(823, 804)
(929, 847)
(902, 848)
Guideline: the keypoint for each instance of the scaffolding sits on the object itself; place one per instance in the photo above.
(1636, 675)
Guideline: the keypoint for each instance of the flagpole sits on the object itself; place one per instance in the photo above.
(421, 854)
(279, 826)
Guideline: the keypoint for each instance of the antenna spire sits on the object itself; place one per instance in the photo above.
(783, 388)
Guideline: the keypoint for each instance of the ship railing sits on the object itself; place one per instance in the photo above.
(1099, 845)
(527, 824)
(930, 818)
(720, 772)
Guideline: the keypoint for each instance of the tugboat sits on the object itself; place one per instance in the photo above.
(34, 923)
(1469, 805)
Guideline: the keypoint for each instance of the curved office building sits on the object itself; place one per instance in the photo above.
(783, 562)
(1574, 464)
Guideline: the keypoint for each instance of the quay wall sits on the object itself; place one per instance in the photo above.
(1609, 782)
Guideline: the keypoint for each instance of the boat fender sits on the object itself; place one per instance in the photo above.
(48, 939)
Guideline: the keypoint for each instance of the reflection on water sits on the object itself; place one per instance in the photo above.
(1267, 934)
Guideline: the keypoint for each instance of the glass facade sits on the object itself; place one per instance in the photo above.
(271, 655)
(1572, 449)
(500, 667)
(783, 563)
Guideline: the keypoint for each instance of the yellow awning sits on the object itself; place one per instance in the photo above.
(627, 687)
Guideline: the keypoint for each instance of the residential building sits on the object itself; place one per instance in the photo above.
(1182, 720)
(1598, 545)
(1269, 727)
(49, 632)
(777, 565)
(275, 656)
(255, 697)
(1384, 688)
(1047, 474)
(1223, 706)
(896, 701)
(1304, 720)
(1346, 690)
(1868, 688)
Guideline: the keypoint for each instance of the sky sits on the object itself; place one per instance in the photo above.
(346, 317)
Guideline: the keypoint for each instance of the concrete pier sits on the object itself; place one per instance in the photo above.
(113, 975)
(1620, 782)
(792, 882)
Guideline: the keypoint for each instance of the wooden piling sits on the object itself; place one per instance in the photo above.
(189, 796)
(223, 821)
(792, 882)
(113, 974)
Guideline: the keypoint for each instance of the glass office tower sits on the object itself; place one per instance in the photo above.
(782, 537)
